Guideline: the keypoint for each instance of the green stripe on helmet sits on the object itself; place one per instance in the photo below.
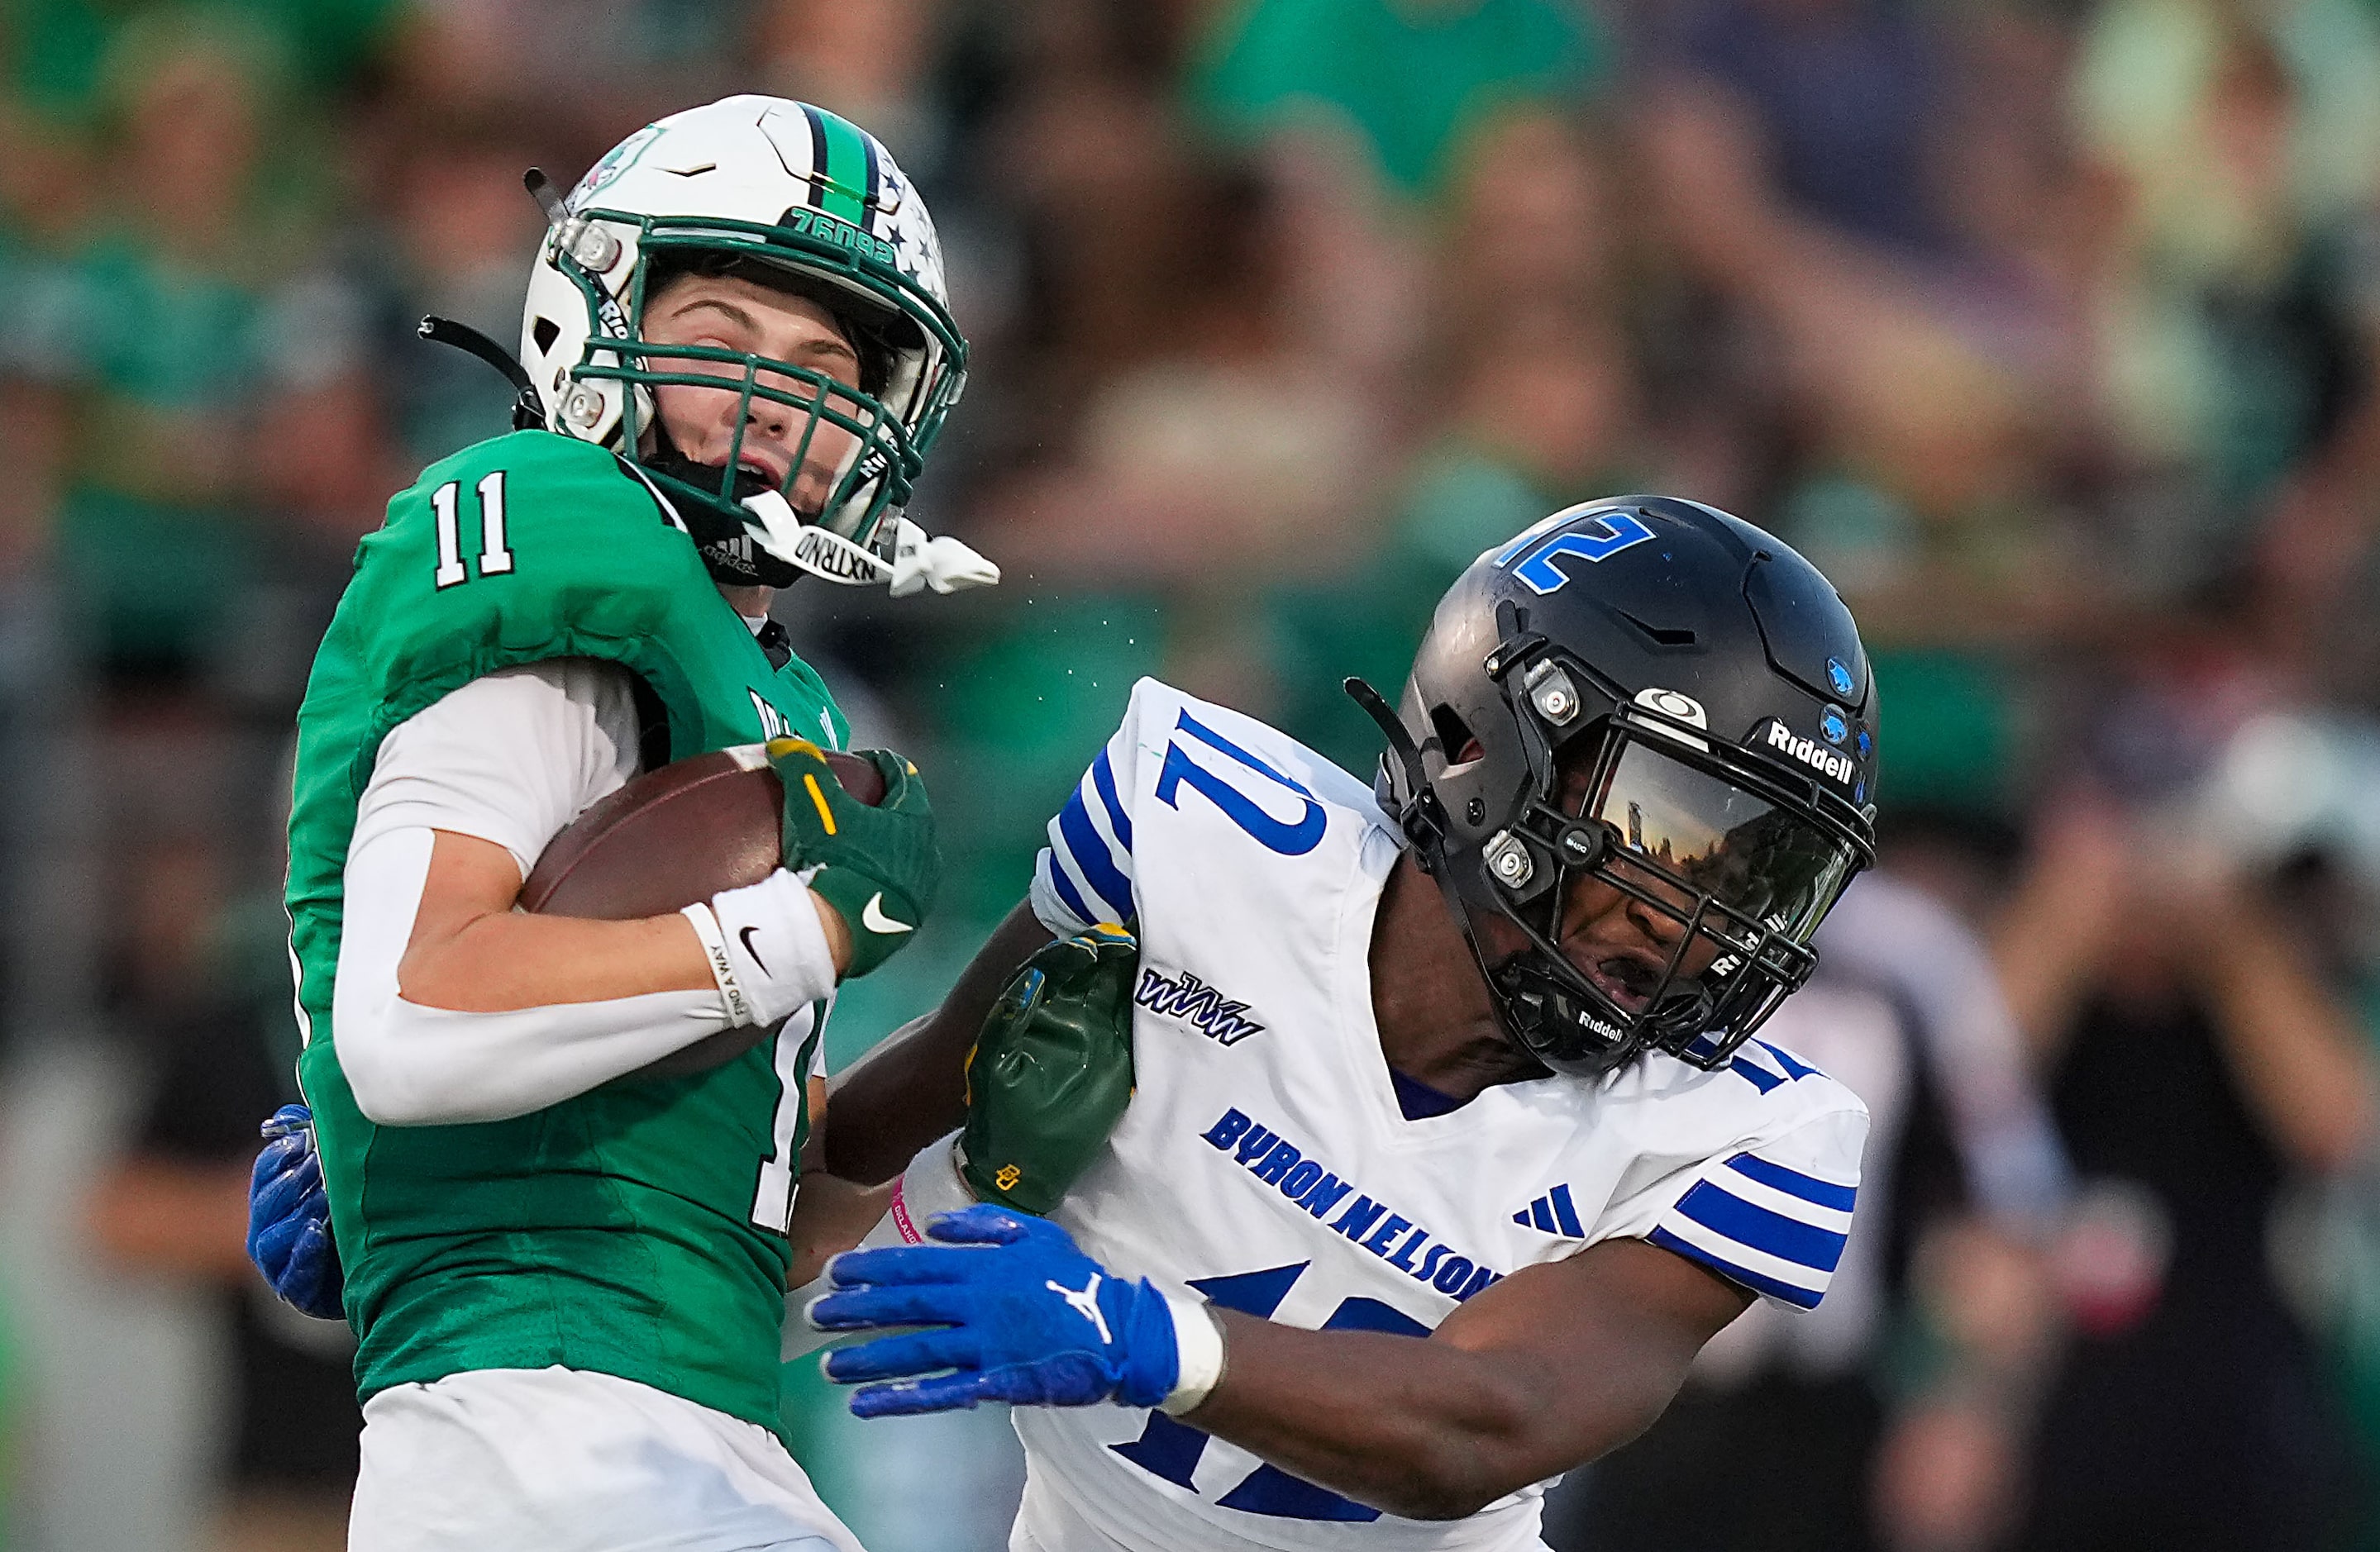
(847, 163)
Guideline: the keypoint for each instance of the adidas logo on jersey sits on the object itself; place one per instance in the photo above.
(1194, 1002)
(1555, 1213)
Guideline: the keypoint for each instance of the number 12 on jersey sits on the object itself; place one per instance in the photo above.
(495, 559)
(1172, 1449)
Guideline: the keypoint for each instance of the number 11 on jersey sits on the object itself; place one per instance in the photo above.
(495, 559)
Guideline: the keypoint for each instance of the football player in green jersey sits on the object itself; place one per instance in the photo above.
(565, 1251)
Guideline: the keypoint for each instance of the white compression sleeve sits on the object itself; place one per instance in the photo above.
(410, 1066)
(510, 757)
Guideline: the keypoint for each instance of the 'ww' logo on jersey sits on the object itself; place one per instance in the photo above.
(1193, 1002)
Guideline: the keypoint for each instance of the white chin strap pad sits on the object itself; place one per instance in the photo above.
(942, 563)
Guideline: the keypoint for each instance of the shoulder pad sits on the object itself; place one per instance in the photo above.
(521, 546)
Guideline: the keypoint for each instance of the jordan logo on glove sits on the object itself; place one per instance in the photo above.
(1087, 1302)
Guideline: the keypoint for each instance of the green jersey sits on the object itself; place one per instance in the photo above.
(637, 1229)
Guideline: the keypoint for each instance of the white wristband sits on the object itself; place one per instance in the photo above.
(775, 945)
(714, 949)
(1198, 1341)
(931, 1184)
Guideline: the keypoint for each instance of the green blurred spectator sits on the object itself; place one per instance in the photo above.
(1545, 414)
(1412, 78)
(169, 326)
(1926, 594)
(1027, 703)
(2236, 309)
(460, 235)
(59, 50)
(1017, 694)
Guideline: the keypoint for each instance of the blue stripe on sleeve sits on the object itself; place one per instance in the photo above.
(1800, 1298)
(1067, 892)
(1103, 778)
(1757, 1076)
(1566, 1212)
(1788, 1239)
(1793, 1183)
(1793, 1069)
(1090, 854)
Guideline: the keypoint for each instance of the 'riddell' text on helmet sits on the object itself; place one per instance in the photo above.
(1638, 753)
(772, 188)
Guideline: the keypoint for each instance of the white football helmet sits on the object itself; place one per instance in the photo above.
(758, 180)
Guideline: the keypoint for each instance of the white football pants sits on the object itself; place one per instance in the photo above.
(565, 1461)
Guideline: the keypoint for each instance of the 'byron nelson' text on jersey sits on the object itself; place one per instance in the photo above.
(1265, 1163)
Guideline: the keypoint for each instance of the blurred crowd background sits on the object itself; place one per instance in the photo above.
(2049, 329)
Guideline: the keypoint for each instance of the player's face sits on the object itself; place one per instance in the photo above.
(1616, 940)
(1684, 844)
(727, 312)
(1623, 944)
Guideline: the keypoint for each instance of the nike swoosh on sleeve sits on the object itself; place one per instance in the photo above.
(745, 938)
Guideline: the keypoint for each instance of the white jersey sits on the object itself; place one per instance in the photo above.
(1265, 1164)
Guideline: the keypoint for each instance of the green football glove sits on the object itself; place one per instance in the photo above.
(878, 866)
(1051, 1073)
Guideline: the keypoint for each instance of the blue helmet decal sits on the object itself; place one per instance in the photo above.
(1839, 675)
(1596, 538)
(1864, 744)
(1833, 725)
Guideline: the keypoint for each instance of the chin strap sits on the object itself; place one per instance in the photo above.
(529, 413)
(1422, 818)
(549, 198)
(1419, 813)
(917, 562)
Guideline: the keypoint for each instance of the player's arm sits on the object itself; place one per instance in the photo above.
(1550, 1368)
(830, 1215)
(470, 952)
(1047, 1077)
(453, 1007)
(912, 1088)
(1546, 1370)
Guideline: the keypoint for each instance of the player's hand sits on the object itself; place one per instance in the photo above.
(289, 1218)
(1051, 1073)
(1020, 1316)
(878, 866)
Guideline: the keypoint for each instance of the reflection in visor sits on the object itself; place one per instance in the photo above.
(1765, 862)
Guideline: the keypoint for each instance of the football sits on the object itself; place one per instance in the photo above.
(671, 837)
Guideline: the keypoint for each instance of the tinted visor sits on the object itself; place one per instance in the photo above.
(1764, 863)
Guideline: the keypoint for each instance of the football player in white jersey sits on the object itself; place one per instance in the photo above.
(1449, 1142)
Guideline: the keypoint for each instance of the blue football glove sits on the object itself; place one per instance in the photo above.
(289, 1218)
(1021, 1315)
